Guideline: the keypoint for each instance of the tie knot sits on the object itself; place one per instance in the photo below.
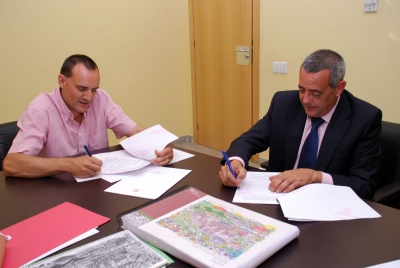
(316, 122)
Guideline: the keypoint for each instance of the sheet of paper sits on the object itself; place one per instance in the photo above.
(120, 162)
(324, 202)
(144, 144)
(150, 184)
(254, 189)
(392, 264)
(46, 231)
(178, 156)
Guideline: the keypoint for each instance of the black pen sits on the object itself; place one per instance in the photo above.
(87, 150)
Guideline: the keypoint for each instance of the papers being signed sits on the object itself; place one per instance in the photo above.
(254, 189)
(312, 202)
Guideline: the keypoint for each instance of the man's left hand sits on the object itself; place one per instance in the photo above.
(292, 179)
(163, 157)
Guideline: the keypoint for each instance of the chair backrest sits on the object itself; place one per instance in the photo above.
(389, 141)
(8, 131)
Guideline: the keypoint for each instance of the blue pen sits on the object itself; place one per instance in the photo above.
(87, 150)
(228, 163)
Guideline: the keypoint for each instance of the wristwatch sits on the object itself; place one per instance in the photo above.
(6, 237)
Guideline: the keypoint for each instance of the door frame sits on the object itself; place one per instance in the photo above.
(255, 68)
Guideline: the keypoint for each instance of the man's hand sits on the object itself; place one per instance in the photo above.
(85, 166)
(292, 179)
(164, 157)
(226, 176)
(27, 166)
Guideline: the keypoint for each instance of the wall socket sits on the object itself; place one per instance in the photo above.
(279, 67)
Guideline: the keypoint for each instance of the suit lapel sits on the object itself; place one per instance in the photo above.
(334, 133)
(295, 126)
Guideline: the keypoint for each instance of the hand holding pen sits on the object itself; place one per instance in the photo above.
(236, 178)
(227, 162)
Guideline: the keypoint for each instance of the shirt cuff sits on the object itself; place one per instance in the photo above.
(326, 178)
(237, 158)
(5, 237)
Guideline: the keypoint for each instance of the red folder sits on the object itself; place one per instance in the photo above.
(45, 231)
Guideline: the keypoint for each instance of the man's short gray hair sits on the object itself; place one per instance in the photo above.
(326, 59)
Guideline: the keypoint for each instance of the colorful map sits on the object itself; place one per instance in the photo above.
(213, 227)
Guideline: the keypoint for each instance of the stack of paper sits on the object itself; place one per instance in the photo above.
(324, 202)
(254, 189)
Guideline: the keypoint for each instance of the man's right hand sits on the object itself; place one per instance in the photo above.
(226, 176)
(27, 166)
(85, 166)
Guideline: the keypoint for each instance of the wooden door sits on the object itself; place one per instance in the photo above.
(225, 94)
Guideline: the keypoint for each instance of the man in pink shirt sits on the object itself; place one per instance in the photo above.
(58, 124)
(345, 130)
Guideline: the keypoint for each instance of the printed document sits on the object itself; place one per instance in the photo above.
(143, 144)
(178, 156)
(324, 202)
(254, 189)
(150, 184)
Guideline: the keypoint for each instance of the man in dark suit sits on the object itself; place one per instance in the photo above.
(348, 152)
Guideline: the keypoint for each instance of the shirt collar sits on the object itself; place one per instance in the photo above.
(328, 116)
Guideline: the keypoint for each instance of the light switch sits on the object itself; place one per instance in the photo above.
(279, 67)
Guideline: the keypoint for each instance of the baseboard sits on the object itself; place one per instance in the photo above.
(188, 138)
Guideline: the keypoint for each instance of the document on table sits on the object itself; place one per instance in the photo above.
(254, 189)
(391, 264)
(324, 202)
(150, 184)
(120, 162)
(178, 156)
(143, 144)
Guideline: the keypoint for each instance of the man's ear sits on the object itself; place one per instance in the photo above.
(61, 80)
(340, 87)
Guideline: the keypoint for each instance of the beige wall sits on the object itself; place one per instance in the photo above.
(142, 49)
(369, 43)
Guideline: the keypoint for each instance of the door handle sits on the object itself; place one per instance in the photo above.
(242, 55)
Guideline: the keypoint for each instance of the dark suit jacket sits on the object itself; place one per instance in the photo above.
(349, 150)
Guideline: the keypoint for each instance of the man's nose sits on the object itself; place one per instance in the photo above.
(307, 97)
(87, 95)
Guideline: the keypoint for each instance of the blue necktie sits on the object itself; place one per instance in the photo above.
(308, 155)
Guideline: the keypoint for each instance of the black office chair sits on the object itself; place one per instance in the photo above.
(388, 190)
(8, 131)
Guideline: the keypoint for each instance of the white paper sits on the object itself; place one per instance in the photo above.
(324, 202)
(392, 264)
(151, 184)
(254, 189)
(66, 244)
(143, 144)
(120, 162)
(178, 156)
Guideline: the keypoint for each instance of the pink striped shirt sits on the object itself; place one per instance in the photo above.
(48, 129)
